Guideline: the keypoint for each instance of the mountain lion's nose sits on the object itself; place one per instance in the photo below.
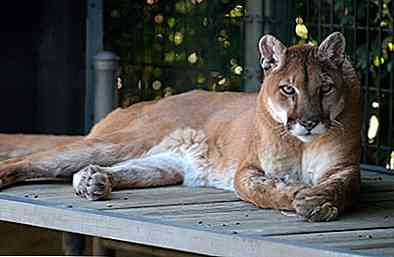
(308, 124)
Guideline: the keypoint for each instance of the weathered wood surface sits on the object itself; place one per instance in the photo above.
(208, 221)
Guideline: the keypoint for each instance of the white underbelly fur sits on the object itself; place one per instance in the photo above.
(189, 149)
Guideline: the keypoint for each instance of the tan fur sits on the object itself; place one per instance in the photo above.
(17, 145)
(213, 139)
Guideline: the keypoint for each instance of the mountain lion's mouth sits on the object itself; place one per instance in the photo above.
(307, 138)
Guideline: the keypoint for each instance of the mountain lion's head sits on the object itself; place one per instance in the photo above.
(304, 87)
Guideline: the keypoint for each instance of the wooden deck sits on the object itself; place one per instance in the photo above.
(208, 221)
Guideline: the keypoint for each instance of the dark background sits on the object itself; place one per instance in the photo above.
(42, 67)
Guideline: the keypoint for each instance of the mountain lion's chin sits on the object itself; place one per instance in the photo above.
(307, 138)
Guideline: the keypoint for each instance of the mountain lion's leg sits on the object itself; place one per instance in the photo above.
(63, 161)
(177, 155)
(253, 186)
(333, 194)
(96, 182)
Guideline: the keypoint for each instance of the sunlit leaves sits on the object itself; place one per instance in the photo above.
(390, 164)
(238, 70)
(373, 128)
(168, 91)
(200, 78)
(235, 67)
(222, 81)
(156, 85)
(301, 29)
(171, 22)
(224, 39)
(119, 83)
(178, 38)
(370, 45)
(390, 46)
(377, 61)
(192, 58)
(375, 105)
(237, 11)
(205, 21)
(186, 43)
(169, 57)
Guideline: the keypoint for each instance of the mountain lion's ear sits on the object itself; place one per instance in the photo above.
(271, 51)
(333, 48)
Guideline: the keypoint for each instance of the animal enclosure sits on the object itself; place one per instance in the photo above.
(169, 47)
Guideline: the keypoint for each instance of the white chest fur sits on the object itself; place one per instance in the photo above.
(316, 163)
(283, 164)
(307, 165)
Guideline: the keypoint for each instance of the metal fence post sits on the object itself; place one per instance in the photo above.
(94, 44)
(73, 243)
(105, 65)
(253, 31)
(269, 16)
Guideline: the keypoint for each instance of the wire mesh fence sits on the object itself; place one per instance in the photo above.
(368, 27)
(172, 46)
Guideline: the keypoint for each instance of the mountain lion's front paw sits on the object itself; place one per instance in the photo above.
(91, 183)
(314, 207)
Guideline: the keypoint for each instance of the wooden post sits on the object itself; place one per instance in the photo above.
(73, 244)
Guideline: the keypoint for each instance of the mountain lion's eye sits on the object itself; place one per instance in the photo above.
(287, 90)
(326, 89)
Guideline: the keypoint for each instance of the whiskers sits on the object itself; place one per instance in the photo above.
(336, 124)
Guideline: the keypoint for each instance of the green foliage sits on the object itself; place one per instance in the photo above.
(172, 46)
(183, 44)
(368, 27)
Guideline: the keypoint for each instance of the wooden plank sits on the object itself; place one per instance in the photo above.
(60, 193)
(340, 237)
(376, 182)
(245, 219)
(371, 174)
(137, 198)
(387, 251)
(209, 214)
(148, 232)
(378, 241)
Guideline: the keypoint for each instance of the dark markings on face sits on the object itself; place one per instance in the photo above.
(308, 75)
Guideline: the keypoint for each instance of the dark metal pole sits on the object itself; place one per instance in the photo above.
(105, 65)
(94, 44)
(73, 244)
(253, 32)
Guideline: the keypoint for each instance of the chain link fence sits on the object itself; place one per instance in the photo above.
(172, 46)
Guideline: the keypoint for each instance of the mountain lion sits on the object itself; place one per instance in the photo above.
(293, 146)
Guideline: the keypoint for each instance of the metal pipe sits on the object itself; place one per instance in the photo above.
(105, 65)
(94, 44)
(73, 244)
(253, 32)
